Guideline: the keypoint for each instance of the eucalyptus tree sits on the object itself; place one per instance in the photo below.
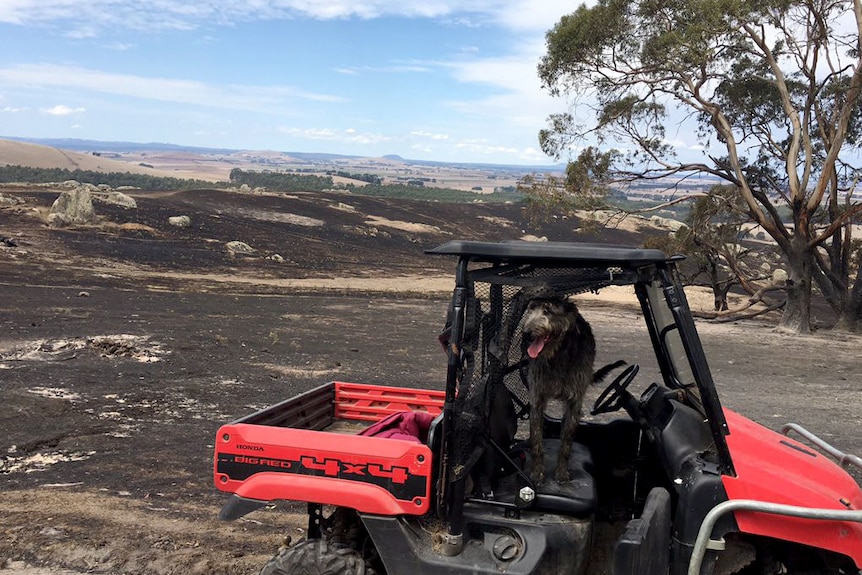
(771, 91)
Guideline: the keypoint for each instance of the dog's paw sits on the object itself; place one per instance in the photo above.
(561, 475)
(537, 476)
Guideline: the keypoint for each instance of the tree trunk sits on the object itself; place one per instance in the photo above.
(719, 292)
(850, 315)
(797, 312)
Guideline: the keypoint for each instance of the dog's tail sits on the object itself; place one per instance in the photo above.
(603, 372)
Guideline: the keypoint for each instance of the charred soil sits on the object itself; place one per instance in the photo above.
(124, 346)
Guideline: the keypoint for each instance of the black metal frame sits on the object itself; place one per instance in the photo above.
(633, 266)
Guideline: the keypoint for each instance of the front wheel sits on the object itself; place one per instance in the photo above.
(317, 557)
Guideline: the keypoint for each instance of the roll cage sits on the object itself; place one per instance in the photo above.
(481, 329)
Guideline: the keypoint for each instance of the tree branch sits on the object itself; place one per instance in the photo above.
(736, 313)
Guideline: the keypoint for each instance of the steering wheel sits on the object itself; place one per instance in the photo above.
(611, 398)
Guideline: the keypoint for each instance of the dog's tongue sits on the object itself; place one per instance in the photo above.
(536, 347)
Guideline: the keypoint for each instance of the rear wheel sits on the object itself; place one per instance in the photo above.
(317, 557)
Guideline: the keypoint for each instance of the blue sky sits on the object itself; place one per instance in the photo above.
(442, 80)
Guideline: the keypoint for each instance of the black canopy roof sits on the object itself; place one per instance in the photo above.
(576, 254)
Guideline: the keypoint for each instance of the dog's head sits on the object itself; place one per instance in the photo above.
(547, 320)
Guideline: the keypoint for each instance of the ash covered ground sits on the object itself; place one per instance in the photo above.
(125, 345)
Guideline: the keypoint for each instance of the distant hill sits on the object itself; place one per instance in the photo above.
(216, 165)
(90, 146)
(37, 156)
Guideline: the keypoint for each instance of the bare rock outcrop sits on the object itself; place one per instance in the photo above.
(73, 208)
(779, 277)
(667, 223)
(117, 199)
(180, 221)
(8, 201)
(239, 248)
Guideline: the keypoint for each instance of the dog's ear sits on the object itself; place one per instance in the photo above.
(571, 309)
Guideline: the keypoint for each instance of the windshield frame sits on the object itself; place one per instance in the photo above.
(679, 351)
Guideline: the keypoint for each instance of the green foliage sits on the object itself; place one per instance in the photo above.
(588, 176)
(272, 181)
(413, 190)
(448, 195)
(580, 38)
(554, 139)
(583, 188)
(370, 178)
(714, 222)
(280, 182)
(776, 83)
(113, 179)
(710, 241)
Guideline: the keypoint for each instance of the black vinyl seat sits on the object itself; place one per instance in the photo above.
(435, 431)
(576, 497)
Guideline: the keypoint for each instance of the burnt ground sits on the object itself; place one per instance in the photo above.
(318, 235)
(124, 346)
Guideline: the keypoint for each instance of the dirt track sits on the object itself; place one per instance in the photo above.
(123, 349)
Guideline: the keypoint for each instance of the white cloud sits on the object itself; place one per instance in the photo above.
(12, 110)
(62, 110)
(516, 71)
(681, 145)
(481, 145)
(395, 68)
(484, 148)
(509, 109)
(348, 136)
(86, 17)
(532, 15)
(119, 46)
(275, 99)
(184, 15)
(431, 135)
(518, 97)
(83, 32)
(534, 154)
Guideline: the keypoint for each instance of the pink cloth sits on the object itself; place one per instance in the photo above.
(409, 425)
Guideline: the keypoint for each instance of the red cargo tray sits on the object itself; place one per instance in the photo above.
(298, 450)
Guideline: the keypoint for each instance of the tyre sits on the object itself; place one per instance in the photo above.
(317, 557)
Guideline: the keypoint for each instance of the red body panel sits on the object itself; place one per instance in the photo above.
(774, 468)
(369, 474)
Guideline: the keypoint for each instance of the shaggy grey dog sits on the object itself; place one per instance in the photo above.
(561, 350)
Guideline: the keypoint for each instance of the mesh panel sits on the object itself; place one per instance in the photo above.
(493, 352)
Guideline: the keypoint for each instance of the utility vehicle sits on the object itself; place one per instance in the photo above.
(430, 482)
